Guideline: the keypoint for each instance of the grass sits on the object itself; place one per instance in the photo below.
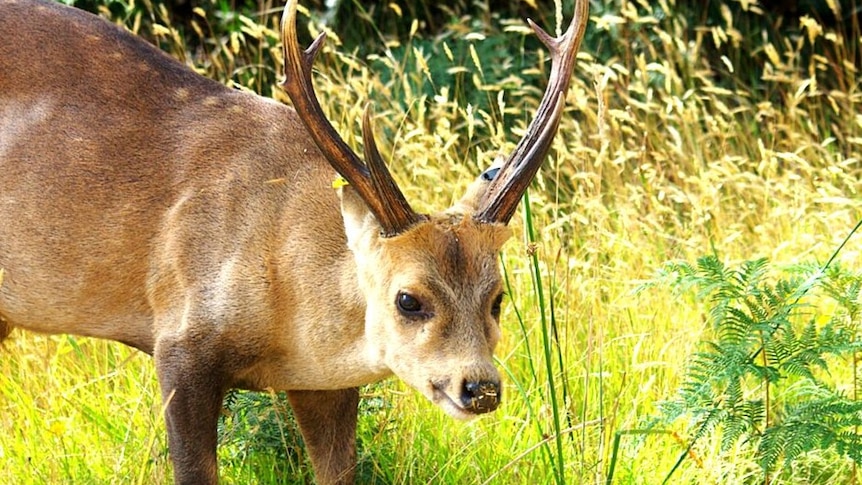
(673, 143)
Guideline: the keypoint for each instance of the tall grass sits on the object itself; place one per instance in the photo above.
(681, 134)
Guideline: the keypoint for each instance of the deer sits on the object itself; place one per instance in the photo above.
(144, 203)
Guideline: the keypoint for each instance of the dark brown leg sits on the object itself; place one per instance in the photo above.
(193, 392)
(327, 420)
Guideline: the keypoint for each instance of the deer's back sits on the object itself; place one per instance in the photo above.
(124, 175)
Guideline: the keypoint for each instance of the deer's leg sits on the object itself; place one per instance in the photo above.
(327, 420)
(192, 389)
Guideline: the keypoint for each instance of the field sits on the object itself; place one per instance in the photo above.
(723, 133)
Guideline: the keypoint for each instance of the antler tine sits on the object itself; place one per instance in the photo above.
(373, 183)
(502, 196)
(382, 180)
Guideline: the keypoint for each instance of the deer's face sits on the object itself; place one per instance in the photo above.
(433, 296)
(431, 284)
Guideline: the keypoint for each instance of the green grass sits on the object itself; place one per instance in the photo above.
(664, 153)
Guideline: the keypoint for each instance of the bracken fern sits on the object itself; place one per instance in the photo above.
(763, 378)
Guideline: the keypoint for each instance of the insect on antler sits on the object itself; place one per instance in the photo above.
(502, 196)
(371, 180)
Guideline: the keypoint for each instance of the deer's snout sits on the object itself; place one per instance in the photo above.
(480, 396)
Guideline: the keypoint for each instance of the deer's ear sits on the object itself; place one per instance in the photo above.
(470, 201)
(360, 225)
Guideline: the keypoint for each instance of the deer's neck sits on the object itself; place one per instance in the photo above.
(318, 329)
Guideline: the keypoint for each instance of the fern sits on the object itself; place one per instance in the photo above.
(823, 423)
(763, 378)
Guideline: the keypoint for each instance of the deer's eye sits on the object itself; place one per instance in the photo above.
(496, 306)
(490, 174)
(410, 306)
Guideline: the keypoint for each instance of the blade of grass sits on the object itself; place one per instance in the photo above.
(559, 466)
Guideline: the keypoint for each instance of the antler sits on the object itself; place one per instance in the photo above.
(373, 181)
(502, 196)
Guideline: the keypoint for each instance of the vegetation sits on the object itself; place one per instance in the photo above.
(730, 132)
(764, 384)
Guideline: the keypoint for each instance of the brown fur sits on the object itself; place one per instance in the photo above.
(142, 203)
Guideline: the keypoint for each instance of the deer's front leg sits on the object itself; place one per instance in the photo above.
(327, 420)
(192, 389)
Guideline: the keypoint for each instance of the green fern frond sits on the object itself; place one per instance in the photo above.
(735, 327)
(816, 424)
(845, 288)
(770, 340)
(789, 441)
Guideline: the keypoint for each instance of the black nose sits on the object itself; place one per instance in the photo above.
(481, 396)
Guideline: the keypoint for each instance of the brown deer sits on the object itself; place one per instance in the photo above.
(143, 203)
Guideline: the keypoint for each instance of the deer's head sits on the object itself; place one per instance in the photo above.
(432, 282)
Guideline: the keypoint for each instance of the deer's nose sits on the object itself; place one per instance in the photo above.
(481, 396)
